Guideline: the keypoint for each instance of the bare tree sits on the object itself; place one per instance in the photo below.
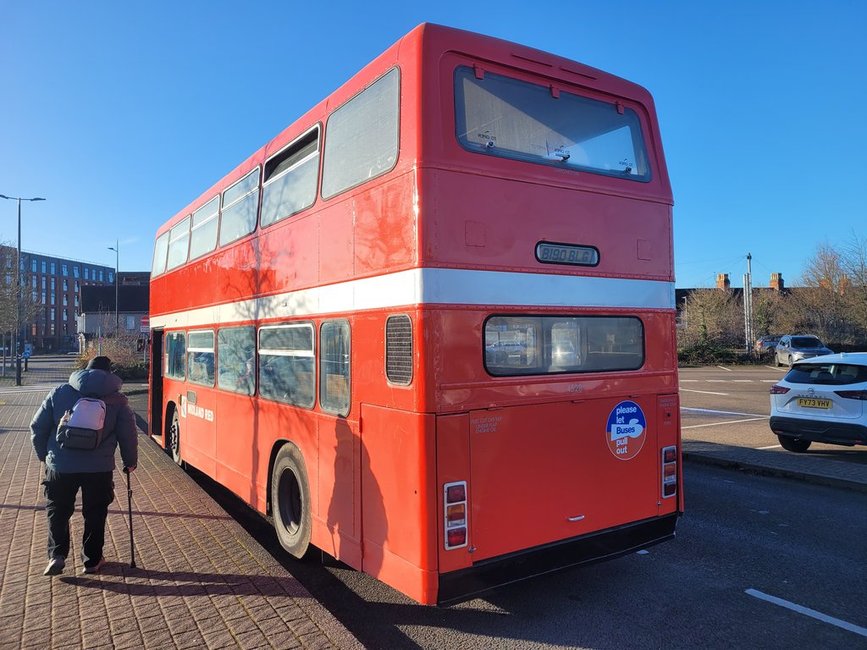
(855, 260)
(8, 287)
(826, 270)
(30, 299)
(712, 315)
(831, 304)
(768, 312)
(855, 265)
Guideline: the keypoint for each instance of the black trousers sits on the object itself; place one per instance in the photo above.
(97, 492)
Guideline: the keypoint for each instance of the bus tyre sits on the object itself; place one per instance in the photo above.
(798, 445)
(290, 501)
(175, 439)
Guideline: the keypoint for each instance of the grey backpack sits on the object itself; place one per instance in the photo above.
(82, 427)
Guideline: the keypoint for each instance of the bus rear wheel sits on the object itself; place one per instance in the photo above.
(290, 501)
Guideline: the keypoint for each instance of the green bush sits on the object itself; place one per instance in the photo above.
(126, 360)
(706, 353)
(138, 372)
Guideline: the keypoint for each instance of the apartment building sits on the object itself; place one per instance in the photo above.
(51, 296)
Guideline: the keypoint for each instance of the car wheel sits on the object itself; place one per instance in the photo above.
(798, 445)
(777, 360)
(290, 501)
(790, 361)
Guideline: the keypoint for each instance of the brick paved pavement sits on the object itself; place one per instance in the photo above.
(201, 581)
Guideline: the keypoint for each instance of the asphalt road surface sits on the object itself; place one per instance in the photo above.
(731, 406)
(757, 562)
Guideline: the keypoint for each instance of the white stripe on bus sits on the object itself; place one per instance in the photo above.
(436, 286)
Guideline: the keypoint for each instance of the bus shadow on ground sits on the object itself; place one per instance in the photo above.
(119, 578)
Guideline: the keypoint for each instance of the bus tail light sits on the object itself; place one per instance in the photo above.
(669, 472)
(455, 514)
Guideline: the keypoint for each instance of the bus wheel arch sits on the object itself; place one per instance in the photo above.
(289, 490)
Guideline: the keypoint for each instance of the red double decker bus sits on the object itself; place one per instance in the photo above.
(429, 328)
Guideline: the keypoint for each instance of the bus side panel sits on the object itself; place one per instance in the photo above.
(453, 465)
(398, 493)
(239, 458)
(190, 436)
(289, 256)
(198, 427)
(385, 233)
(338, 520)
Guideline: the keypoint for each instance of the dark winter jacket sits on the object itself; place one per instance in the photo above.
(119, 425)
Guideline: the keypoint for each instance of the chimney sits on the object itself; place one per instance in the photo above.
(777, 281)
(722, 281)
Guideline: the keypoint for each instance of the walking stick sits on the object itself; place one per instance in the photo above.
(129, 503)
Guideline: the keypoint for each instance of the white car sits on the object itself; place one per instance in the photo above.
(822, 399)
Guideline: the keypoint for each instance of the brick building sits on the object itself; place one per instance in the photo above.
(51, 295)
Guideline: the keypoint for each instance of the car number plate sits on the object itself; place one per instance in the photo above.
(813, 403)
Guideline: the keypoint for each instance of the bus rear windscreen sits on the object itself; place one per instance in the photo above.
(509, 118)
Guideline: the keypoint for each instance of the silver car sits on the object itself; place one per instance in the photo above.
(797, 347)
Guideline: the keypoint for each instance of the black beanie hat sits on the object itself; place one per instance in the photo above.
(99, 363)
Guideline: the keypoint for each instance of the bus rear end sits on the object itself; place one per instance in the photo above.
(546, 233)
(545, 467)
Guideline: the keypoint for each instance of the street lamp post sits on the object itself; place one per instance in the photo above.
(18, 324)
(116, 249)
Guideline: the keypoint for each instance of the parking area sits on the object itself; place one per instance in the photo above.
(731, 406)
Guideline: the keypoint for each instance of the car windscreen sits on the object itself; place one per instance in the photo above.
(834, 374)
(806, 342)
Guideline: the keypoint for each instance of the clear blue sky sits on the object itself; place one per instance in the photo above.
(120, 113)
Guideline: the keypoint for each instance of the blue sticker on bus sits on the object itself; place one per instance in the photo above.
(626, 430)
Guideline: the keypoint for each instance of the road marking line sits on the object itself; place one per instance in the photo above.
(703, 392)
(717, 381)
(777, 369)
(716, 424)
(742, 381)
(724, 368)
(771, 447)
(806, 611)
(28, 389)
(714, 412)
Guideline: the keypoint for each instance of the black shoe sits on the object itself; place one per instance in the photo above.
(55, 566)
(96, 567)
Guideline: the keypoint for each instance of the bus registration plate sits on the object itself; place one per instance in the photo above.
(813, 403)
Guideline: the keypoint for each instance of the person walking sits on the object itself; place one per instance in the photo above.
(67, 469)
